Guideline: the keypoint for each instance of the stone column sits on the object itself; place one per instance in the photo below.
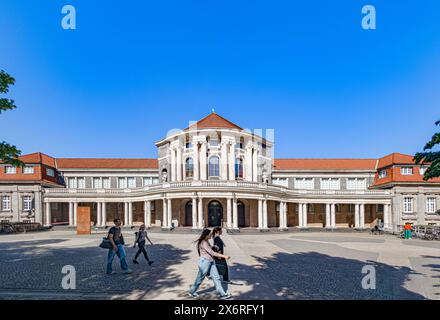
(265, 225)
(164, 213)
(200, 213)
(231, 161)
(248, 164)
(255, 165)
(304, 215)
(194, 213)
(362, 216)
(300, 215)
(356, 216)
(386, 216)
(71, 214)
(48, 217)
(224, 161)
(179, 163)
(98, 214)
(196, 160)
(260, 214)
(229, 213)
(148, 222)
(126, 219)
(104, 214)
(170, 212)
(328, 220)
(173, 164)
(203, 168)
(130, 213)
(234, 214)
(333, 215)
(283, 215)
(75, 212)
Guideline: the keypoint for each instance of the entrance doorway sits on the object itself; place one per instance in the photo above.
(188, 214)
(215, 214)
(240, 215)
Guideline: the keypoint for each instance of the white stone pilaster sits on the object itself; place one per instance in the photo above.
(231, 161)
(98, 214)
(71, 214)
(170, 213)
(196, 160)
(305, 215)
(260, 214)
(362, 216)
(234, 213)
(164, 213)
(265, 225)
(333, 215)
(75, 213)
(328, 220)
(194, 213)
(356, 216)
(386, 216)
(229, 212)
(203, 161)
(173, 163)
(126, 223)
(179, 163)
(200, 213)
(255, 165)
(48, 215)
(104, 214)
(248, 164)
(224, 160)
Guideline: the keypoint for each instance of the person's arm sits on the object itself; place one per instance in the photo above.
(115, 247)
(135, 239)
(212, 253)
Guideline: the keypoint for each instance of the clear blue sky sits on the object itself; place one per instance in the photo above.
(135, 69)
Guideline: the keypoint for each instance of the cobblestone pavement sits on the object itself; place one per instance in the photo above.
(309, 265)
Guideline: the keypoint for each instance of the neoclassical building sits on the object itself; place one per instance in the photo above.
(214, 173)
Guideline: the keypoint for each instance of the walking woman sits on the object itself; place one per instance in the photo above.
(141, 236)
(207, 264)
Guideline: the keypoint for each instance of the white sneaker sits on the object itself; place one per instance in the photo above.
(226, 296)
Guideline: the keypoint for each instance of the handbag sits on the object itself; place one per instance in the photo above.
(106, 244)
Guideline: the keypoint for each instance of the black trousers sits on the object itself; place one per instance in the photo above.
(141, 249)
(223, 270)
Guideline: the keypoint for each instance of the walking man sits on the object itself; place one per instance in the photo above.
(117, 241)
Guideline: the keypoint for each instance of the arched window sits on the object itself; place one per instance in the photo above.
(238, 168)
(189, 168)
(214, 166)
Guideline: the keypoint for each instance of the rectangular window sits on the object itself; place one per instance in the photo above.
(148, 181)
(71, 183)
(155, 180)
(81, 183)
(122, 183)
(10, 170)
(304, 183)
(280, 182)
(50, 172)
(131, 182)
(430, 205)
(28, 170)
(97, 183)
(382, 174)
(406, 170)
(27, 203)
(407, 205)
(330, 184)
(6, 203)
(106, 183)
(422, 171)
(356, 184)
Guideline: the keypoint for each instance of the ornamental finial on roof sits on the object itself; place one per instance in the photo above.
(213, 111)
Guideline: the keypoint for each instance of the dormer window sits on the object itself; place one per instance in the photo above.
(422, 171)
(10, 170)
(382, 174)
(406, 171)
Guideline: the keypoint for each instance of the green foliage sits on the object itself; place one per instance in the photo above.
(431, 157)
(8, 153)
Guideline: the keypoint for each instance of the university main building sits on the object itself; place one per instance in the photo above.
(215, 173)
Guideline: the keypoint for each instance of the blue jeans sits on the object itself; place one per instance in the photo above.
(206, 266)
(121, 255)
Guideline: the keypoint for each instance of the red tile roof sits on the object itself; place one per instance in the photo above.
(38, 157)
(325, 164)
(214, 121)
(102, 163)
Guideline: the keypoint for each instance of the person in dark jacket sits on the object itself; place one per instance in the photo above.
(219, 246)
(140, 238)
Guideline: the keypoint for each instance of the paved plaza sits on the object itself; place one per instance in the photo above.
(299, 265)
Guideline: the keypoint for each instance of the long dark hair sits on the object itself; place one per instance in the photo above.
(205, 233)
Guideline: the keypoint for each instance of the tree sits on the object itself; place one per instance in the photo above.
(8, 153)
(430, 156)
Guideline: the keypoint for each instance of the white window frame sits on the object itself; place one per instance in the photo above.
(332, 184)
(406, 171)
(408, 205)
(10, 170)
(383, 173)
(125, 183)
(50, 172)
(6, 202)
(304, 183)
(27, 203)
(356, 183)
(104, 186)
(99, 179)
(30, 168)
(283, 182)
(422, 170)
(74, 184)
(131, 179)
(431, 205)
(78, 184)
